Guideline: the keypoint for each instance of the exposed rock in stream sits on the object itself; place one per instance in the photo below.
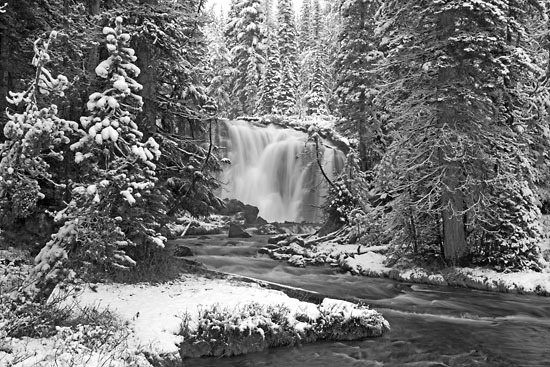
(236, 231)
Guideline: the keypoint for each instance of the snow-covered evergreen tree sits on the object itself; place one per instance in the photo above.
(356, 81)
(111, 200)
(269, 15)
(248, 55)
(219, 64)
(316, 96)
(270, 79)
(458, 79)
(287, 37)
(305, 25)
(35, 138)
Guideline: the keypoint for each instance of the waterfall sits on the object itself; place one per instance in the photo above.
(275, 170)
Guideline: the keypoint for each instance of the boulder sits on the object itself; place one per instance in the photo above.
(236, 231)
(232, 207)
(250, 214)
(261, 221)
(183, 251)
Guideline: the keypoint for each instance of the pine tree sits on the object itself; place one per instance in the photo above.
(219, 64)
(287, 37)
(356, 82)
(109, 207)
(305, 33)
(270, 79)
(316, 21)
(270, 21)
(316, 95)
(248, 55)
(457, 82)
(35, 139)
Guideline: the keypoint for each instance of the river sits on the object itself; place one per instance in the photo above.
(431, 325)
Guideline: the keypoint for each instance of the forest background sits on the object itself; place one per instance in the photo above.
(444, 103)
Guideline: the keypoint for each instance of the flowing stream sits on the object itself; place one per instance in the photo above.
(431, 326)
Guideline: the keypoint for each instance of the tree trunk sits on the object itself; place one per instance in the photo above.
(5, 57)
(454, 236)
(452, 199)
(147, 78)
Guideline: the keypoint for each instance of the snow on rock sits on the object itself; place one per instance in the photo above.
(369, 263)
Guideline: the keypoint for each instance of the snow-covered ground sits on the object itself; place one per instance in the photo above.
(153, 316)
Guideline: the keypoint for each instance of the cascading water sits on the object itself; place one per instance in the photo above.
(275, 169)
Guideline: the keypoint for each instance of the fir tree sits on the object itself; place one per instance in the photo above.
(248, 55)
(108, 208)
(270, 79)
(316, 95)
(219, 64)
(305, 34)
(270, 21)
(355, 79)
(287, 38)
(456, 85)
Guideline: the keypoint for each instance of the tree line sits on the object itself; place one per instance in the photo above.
(446, 103)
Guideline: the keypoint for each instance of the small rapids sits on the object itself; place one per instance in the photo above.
(431, 326)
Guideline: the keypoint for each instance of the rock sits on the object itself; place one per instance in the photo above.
(236, 231)
(269, 228)
(261, 221)
(297, 261)
(183, 251)
(268, 249)
(276, 239)
(232, 207)
(250, 214)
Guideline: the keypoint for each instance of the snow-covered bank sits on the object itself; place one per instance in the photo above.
(371, 261)
(191, 317)
(160, 314)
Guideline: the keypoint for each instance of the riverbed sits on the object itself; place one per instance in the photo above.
(431, 326)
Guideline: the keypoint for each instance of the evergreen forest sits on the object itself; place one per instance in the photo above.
(110, 108)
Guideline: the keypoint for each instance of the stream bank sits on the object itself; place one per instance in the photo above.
(371, 261)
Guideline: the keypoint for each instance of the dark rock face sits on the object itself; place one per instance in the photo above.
(183, 251)
(261, 221)
(236, 231)
(250, 214)
(232, 207)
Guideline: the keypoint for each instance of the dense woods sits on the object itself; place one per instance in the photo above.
(111, 107)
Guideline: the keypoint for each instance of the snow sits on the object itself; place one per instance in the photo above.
(370, 261)
(527, 281)
(153, 315)
(155, 312)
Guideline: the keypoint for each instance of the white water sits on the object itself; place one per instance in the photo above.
(275, 170)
